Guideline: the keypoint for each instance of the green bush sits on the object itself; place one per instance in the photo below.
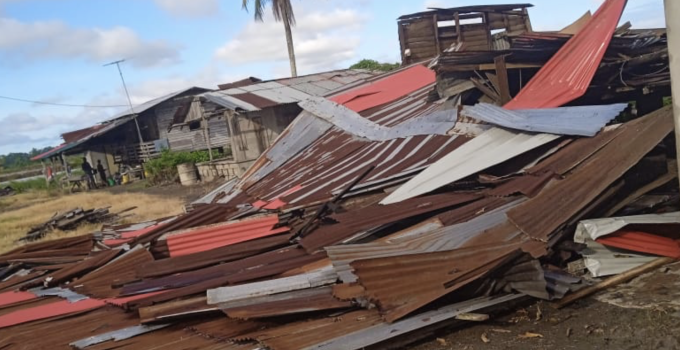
(375, 65)
(164, 168)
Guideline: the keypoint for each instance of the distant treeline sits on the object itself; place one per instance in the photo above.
(20, 160)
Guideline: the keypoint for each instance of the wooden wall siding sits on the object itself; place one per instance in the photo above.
(428, 36)
(253, 132)
(183, 139)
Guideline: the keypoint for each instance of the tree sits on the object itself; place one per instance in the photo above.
(374, 65)
(283, 12)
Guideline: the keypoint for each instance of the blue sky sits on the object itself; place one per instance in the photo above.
(53, 50)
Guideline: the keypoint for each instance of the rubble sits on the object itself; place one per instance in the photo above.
(71, 219)
(392, 208)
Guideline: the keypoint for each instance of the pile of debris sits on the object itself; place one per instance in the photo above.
(7, 191)
(71, 219)
(380, 215)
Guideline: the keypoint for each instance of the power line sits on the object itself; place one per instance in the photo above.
(59, 104)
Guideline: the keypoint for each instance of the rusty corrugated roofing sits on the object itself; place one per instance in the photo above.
(430, 275)
(569, 72)
(203, 238)
(566, 197)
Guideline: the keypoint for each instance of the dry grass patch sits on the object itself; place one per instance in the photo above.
(21, 212)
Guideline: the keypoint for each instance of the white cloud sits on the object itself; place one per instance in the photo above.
(323, 40)
(435, 4)
(189, 9)
(42, 40)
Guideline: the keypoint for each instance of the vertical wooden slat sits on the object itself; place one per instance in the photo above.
(435, 23)
(502, 75)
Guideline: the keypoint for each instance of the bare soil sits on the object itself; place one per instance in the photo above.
(642, 314)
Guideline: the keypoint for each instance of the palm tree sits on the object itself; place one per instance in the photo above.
(283, 12)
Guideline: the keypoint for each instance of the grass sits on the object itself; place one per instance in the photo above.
(20, 212)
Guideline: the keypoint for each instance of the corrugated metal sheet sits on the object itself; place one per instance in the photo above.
(490, 148)
(57, 333)
(434, 240)
(326, 159)
(119, 334)
(569, 72)
(8, 298)
(100, 283)
(311, 300)
(86, 136)
(573, 154)
(566, 197)
(386, 90)
(384, 331)
(642, 242)
(579, 120)
(436, 123)
(288, 90)
(57, 308)
(209, 237)
(338, 158)
(279, 285)
(603, 261)
(302, 334)
(375, 216)
(228, 253)
(430, 276)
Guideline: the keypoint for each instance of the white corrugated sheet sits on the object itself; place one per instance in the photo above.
(486, 150)
(605, 261)
(580, 120)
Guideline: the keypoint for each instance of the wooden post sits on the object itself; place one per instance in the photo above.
(458, 31)
(503, 83)
(672, 8)
(206, 129)
(435, 19)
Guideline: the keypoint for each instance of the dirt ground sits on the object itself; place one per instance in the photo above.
(185, 193)
(642, 314)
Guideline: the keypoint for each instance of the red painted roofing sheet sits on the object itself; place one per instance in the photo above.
(568, 74)
(223, 234)
(387, 90)
(42, 155)
(9, 298)
(642, 242)
(278, 202)
(58, 308)
(128, 236)
(124, 300)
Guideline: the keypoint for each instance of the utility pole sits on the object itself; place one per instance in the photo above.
(673, 33)
(132, 111)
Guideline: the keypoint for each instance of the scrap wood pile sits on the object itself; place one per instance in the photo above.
(71, 219)
(379, 216)
(7, 191)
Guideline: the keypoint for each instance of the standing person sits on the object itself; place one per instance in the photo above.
(102, 172)
(87, 169)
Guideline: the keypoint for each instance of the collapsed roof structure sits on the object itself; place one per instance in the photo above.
(382, 212)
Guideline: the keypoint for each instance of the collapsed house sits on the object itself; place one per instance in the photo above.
(476, 204)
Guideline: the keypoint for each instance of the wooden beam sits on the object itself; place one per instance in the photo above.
(435, 22)
(613, 281)
(503, 83)
(458, 31)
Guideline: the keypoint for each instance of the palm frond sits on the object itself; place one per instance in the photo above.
(258, 6)
(283, 11)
